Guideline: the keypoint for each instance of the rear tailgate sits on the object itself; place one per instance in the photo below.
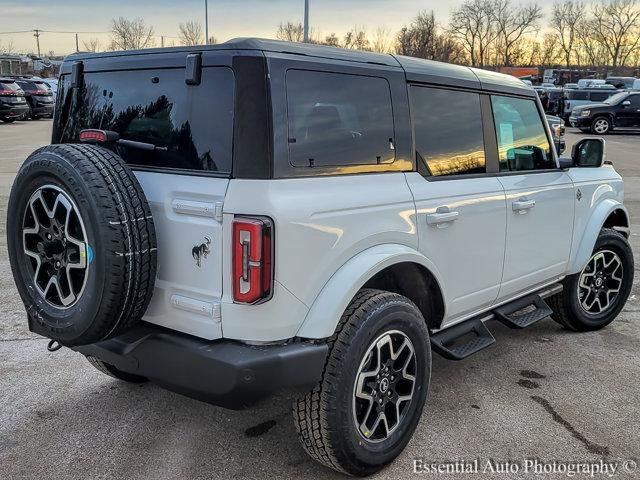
(184, 179)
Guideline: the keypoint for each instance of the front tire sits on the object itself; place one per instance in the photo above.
(365, 409)
(601, 126)
(593, 298)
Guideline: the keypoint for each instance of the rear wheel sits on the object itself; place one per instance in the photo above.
(112, 371)
(601, 125)
(8, 120)
(365, 409)
(593, 298)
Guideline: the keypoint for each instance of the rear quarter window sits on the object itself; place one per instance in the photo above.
(191, 124)
(338, 119)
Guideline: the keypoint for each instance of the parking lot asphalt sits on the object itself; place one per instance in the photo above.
(542, 393)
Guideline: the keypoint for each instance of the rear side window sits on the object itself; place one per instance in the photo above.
(577, 95)
(338, 119)
(448, 131)
(522, 139)
(599, 96)
(191, 125)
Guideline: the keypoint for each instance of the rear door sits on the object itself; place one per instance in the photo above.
(460, 207)
(184, 179)
(540, 198)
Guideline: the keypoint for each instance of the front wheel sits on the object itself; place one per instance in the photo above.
(593, 298)
(601, 126)
(365, 409)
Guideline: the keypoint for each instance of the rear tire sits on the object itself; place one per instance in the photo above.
(113, 372)
(340, 421)
(588, 301)
(8, 120)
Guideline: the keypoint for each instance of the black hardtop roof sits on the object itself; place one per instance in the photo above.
(416, 69)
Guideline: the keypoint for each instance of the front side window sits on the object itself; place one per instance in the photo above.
(522, 139)
(448, 131)
(338, 119)
(599, 96)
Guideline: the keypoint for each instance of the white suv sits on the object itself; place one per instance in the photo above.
(229, 221)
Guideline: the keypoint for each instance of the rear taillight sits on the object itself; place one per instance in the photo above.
(252, 259)
(98, 136)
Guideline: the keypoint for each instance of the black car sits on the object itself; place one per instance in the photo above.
(619, 111)
(13, 104)
(39, 97)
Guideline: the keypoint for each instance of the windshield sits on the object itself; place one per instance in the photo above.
(614, 99)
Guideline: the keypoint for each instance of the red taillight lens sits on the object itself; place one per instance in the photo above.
(252, 259)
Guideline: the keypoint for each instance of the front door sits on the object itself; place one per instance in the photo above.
(460, 211)
(629, 115)
(539, 198)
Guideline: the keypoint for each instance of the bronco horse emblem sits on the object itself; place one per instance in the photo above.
(201, 251)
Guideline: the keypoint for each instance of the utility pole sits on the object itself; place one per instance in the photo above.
(37, 35)
(306, 21)
(162, 41)
(206, 22)
(77, 48)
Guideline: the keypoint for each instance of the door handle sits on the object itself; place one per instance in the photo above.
(442, 217)
(523, 204)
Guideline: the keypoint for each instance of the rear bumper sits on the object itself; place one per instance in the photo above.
(221, 372)
(13, 112)
(42, 109)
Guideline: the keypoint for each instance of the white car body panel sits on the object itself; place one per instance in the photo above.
(538, 238)
(187, 297)
(468, 251)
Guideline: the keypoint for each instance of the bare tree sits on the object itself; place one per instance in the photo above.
(331, 40)
(291, 32)
(6, 47)
(190, 33)
(130, 34)
(512, 24)
(381, 40)
(566, 17)
(213, 40)
(616, 27)
(356, 39)
(473, 25)
(91, 45)
(423, 39)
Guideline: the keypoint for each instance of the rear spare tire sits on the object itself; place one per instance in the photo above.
(81, 242)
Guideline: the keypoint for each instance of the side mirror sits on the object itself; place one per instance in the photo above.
(588, 153)
(626, 103)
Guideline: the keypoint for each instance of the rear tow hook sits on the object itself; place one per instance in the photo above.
(53, 346)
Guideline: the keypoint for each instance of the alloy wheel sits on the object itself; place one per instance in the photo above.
(601, 126)
(600, 282)
(55, 243)
(384, 386)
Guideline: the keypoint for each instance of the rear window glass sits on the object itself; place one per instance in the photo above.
(13, 86)
(191, 124)
(338, 119)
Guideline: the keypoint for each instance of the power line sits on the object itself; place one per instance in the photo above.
(11, 33)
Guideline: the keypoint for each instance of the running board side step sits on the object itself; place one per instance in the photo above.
(464, 339)
(470, 336)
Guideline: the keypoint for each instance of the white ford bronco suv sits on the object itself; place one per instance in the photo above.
(236, 220)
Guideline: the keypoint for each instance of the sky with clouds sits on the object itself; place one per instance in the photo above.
(227, 18)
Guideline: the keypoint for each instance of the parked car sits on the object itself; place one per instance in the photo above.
(618, 111)
(585, 96)
(13, 104)
(39, 97)
(556, 124)
(590, 82)
(621, 82)
(52, 83)
(324, 219)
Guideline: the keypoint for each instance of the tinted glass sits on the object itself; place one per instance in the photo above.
(192, 125)
(448, 130)
(635, 100)
(13, 86)
(522, 139)
(336, 119)
(577, 95)
(599, 96)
